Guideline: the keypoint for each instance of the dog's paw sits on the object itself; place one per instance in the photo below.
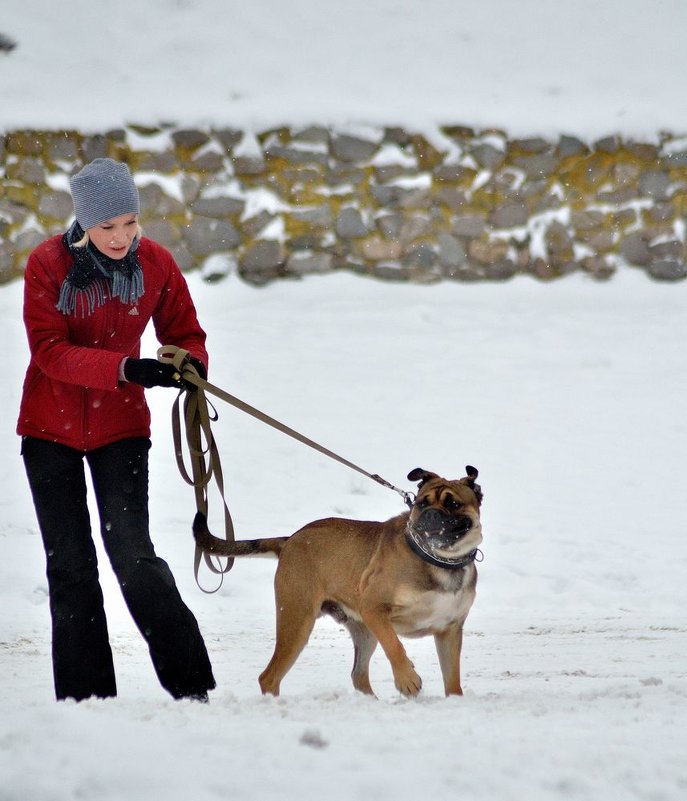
(408, 682)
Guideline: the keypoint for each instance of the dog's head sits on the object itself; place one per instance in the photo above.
(445, 515)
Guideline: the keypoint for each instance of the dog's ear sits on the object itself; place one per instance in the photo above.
(421, 475)
(472, 473)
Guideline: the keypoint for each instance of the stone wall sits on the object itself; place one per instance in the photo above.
(455, 204)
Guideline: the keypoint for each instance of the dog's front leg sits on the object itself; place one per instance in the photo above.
(406, 679)
(449, 644)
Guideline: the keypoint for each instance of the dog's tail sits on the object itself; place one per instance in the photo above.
(214, 545)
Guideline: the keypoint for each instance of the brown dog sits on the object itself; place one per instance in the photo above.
(413, 575)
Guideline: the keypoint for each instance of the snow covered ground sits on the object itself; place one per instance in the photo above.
(568, 397)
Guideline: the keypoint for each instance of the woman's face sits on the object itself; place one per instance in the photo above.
(113, 237)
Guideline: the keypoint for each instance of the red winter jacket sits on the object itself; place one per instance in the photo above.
(71, 392)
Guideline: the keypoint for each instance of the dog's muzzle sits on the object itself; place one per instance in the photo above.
(443, 528)
(435, 537)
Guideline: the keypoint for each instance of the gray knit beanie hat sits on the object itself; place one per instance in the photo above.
(102, 190)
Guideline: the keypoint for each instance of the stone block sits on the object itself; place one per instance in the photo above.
(538, 165)
(451, 251)
(350, 224)
(7, 253)
(501, 270)
(352, 148)
(190, 138)
(27, 170)
(307, 263)
(94, 147)
(487, 156)
(598, 267)
(164, 162)
(487, 251)
(252, 226)
(510, 214)
(63, 147)
(25, 143)
(376, 248)
(267, 254)
(667, 270)
(634, 248)
(248, 165)
(29, 239)
(162, 231)
(571, 146)
(654, 184)
(469, 225)
(205, 235)
(219, 207)
(227, 137)
(56, 204)
(182, 256)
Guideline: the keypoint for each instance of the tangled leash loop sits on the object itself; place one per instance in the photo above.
(203, 454)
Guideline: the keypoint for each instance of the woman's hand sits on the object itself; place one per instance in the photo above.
(151, 373)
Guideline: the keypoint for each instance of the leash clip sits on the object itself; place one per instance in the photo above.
(408, 497)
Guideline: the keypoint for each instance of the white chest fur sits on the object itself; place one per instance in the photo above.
(417, 613)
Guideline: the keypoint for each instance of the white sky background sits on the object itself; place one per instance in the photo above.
(588, 68)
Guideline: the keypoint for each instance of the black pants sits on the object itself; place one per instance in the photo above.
(82, 658)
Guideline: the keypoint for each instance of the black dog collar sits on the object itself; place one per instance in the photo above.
(452, 564)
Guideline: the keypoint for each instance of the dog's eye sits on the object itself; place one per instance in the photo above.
(452, 503)
(422, 502)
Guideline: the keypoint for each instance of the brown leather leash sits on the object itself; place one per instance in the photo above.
(202, 447)
(202, 451)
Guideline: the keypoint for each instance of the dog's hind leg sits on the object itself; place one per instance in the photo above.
(364, 643)
(292, 637)
(297, 610)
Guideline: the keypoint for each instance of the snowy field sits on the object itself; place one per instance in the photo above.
(568, 397)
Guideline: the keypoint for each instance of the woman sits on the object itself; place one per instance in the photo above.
(88, 296)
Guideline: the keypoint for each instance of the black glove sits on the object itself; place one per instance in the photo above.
(200, 367)
(151, 373)
(202, 372)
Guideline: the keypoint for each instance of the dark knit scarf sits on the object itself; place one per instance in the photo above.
(94, 277)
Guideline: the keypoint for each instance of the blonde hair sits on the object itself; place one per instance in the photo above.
(85, 239)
